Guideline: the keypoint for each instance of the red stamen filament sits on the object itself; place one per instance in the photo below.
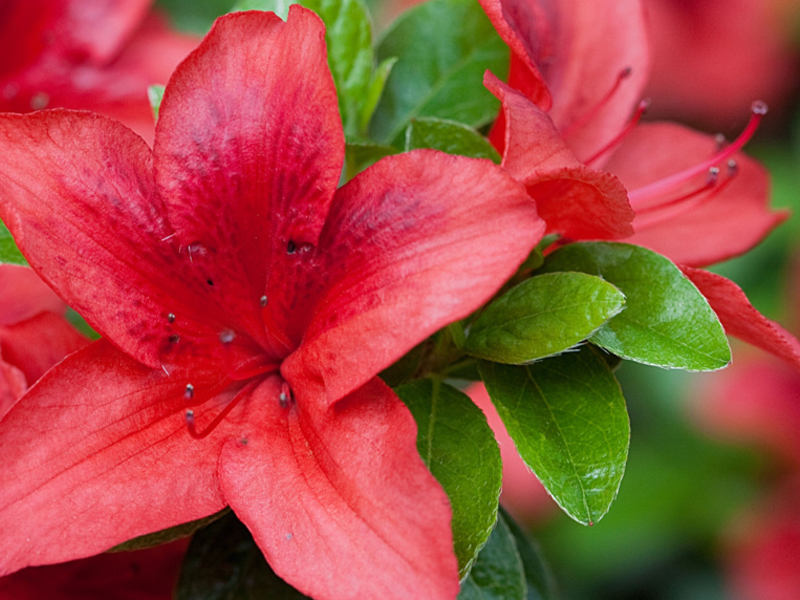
(639, 198)
(592, 112)
(637, 116)
(242, 393)
(654, 215)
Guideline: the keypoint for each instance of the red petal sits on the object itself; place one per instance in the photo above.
(23, 294)
(740, 319)
(96, 453)
(578, 48)
(141, 575)
(339, 499)
(12, 386)
(37, 344)
(95, 230)
(411, 244)
(249, 149)
(731, 223)
(572, 199)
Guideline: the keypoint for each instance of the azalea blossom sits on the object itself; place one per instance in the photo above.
(34, 335)
(577, 72)
(246, 306)
(98, 55)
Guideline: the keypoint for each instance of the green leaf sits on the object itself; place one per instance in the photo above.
(666, 322)
(9, 253)
(360, 155)
(538, 576)
(459, 448)
(450, 137)
(155, 93)
(498, 572)
(379, 78)
(542, 316)
(224, 563)
(348, 33)
(568, 420)
(279, 7)
(169, 535)
(443, 49)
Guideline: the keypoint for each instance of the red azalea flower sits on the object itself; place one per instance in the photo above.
(141, 575)
(98, 55)
(33, 332)
(696, 199)
(227, 274)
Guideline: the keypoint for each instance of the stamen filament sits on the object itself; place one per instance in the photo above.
(637, 116)
(592, 112)
(663, 186)
(190, 422)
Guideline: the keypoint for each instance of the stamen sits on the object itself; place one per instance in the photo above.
(227, 336)
(174, 339)
(291, 247)
(592, 112)
(188, 393)
(170, 318)
(286, 395)
(263, 301)
(190, 423)
(664, 186)
(640, 110)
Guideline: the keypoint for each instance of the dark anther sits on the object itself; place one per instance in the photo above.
(174, 339)
(291, 248)
(170, 318)
(263, 301)
(189, 392)
(210, 282)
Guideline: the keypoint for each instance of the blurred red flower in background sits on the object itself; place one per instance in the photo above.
(711, 58)
(98, 55)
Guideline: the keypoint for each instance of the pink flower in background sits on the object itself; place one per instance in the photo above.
(141, 575)
(98, 55)
(711, 58)
(229, 276)
(33, 332)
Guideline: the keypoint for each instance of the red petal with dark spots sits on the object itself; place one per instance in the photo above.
(729, 224)
(415, 242)
(740, 319)
(96, 453)
(260, 141)
(338, 498)
(572, 199)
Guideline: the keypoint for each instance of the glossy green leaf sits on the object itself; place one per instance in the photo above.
(539, 578)
(360, 155)
(459, 448)
(9, 253)
(450, 137)
(168, 535)
(443, 48)
(542, 316)
(224, 563)
(666, 322)
(377, 84)
(567, 417)
(498, 572)
(155, 93)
